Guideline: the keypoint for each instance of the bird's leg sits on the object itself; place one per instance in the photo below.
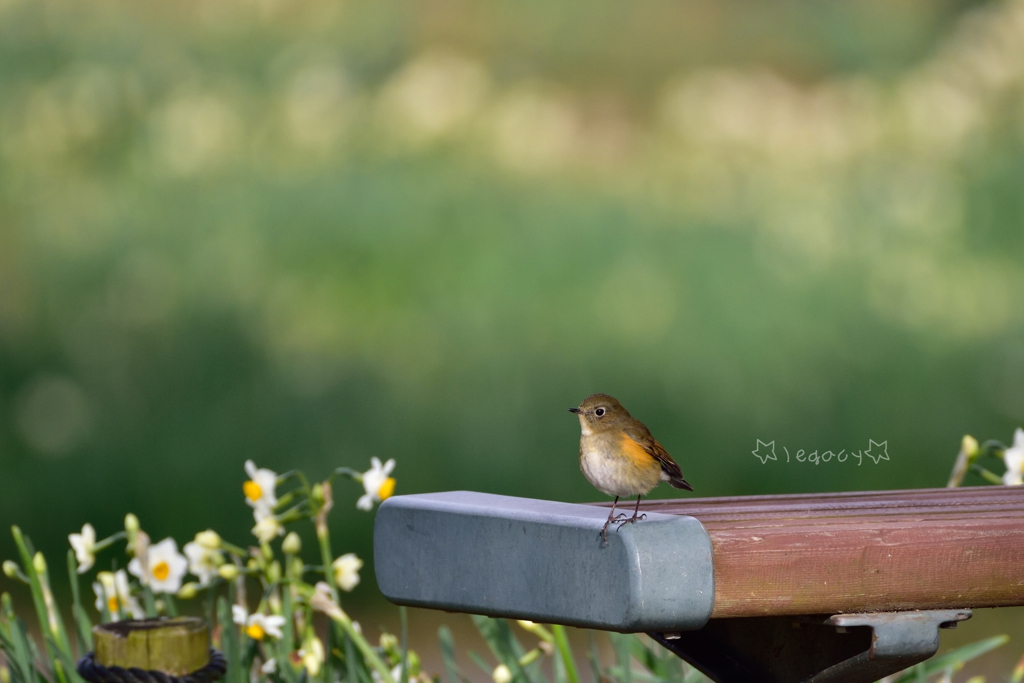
(611, 518)
(636, 510)
(634, 518)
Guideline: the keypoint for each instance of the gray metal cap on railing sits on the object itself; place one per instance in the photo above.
(543, 561)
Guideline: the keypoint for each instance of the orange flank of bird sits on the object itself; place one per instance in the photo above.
(637, 455)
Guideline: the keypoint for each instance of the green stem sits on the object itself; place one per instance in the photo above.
(40, 597)
(403, 613)
(109, 541)
(990, 477)
(234, 549)
(285, 500)
(324, 540)
(993, 447)
(58, 671)
(323, 537)
(960, 468)
(348, 472)
(148, 603)
(537, 630)
(565, 652)
(294, 514)
(81, 619)
(369, 655)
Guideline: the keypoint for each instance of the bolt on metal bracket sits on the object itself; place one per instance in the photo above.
(844, 648)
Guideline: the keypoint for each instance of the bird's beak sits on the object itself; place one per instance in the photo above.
(575, 410)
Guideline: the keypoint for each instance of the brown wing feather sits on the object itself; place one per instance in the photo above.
(641, 435)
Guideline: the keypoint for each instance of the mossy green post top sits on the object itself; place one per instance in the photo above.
(175, 646)
(543, 561)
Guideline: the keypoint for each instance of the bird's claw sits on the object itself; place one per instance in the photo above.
(632, 520)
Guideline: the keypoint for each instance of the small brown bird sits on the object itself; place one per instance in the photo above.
(619, 456)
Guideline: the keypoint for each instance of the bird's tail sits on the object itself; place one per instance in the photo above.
(680, 483)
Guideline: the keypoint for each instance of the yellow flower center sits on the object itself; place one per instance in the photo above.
(252, 490)
(112, 605)
(161, 570)
(255, 631)
(387, 488)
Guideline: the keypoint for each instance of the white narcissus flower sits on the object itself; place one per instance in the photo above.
(257, 626)
(259, 490)
(84, 545)
(346, 571)
(163, 569)
(112, 591)
(260, 625)
(202, 561)
(269, 666)
(1014, 459)
(378, 485)
(267, 527)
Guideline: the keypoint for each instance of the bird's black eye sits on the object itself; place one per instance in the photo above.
(599, 412)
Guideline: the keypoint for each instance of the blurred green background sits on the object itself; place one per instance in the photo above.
(308, 232)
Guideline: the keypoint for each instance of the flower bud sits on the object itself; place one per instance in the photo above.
(11, 569)
(136, 547)
(296, 567)
(228, 572)
(388, 642)
(39, 563)
(969, 446)
(188, 591)
(267, 528)
(208, 539)
(274, 572)
(502, 674)
(292, 544)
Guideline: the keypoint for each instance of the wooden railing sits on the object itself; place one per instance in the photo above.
(859, 552)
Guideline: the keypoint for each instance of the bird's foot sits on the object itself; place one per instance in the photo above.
(632, 520)
(619, 518)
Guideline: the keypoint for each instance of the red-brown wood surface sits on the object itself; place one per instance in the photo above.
(864, 551)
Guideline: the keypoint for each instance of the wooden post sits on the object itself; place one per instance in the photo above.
(175, 646)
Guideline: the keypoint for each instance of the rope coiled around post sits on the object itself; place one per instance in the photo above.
(94, 672)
